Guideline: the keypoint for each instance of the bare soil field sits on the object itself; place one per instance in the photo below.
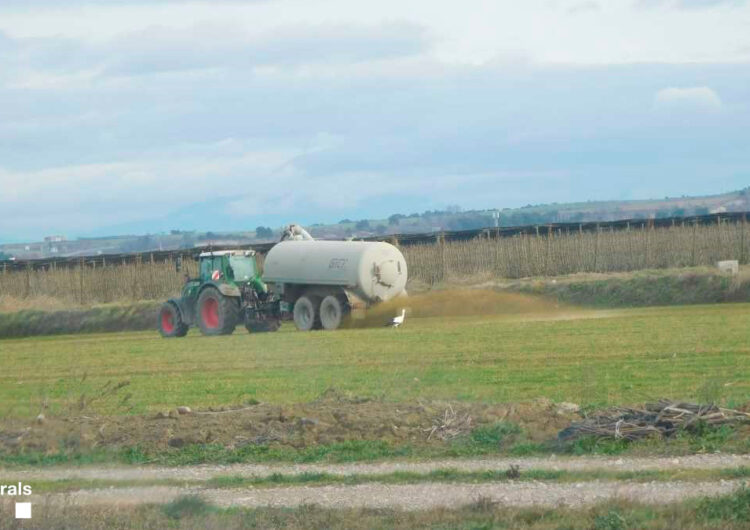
(330, 419)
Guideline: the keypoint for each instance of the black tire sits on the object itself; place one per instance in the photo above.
(170, 322)
(307, 312)
(216, 314)
(262, 326)
(333, 310)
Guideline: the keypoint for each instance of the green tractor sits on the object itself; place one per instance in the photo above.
(228, 291)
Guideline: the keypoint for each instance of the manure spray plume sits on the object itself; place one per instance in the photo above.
(459, 303)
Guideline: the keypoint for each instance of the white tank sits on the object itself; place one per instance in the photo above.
(376, 272)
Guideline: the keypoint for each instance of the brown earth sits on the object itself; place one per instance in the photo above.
(330, 419)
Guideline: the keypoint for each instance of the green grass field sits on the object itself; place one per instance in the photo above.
(607, 357)
(727, 512)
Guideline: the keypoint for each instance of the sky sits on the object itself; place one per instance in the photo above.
(119, 116)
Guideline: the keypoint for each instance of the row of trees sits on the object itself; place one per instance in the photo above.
(454, 220)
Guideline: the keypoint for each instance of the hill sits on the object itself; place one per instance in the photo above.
(452, 218)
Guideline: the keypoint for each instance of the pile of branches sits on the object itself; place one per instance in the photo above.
(449, 425)
(663, 419)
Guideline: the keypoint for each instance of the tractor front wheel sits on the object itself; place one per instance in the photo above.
(170, 321)
(217, 314)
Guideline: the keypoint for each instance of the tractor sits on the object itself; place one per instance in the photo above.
(227, 292)
(318, 284)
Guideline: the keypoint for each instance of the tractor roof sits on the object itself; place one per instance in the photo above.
(227, 253)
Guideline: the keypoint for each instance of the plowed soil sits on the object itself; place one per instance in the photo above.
(332, 418)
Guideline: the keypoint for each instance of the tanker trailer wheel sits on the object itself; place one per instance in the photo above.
(332, 312)
(170, 321)
(307, 312)
(217, 314)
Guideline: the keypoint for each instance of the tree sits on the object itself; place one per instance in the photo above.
(576, 217)
(140, 244)
(364, 224)
(263, 232)
(678, 212)
(469, 222)
(188, 240)
(4, 256)
(702, 210)
(394, 219)
(381, 229)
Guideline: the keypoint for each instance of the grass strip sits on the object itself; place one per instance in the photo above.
(728, 512)
(486, 441)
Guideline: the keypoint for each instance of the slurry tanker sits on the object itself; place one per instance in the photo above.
(315, 283)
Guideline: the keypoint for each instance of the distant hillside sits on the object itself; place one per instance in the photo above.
(452, 218)
(455, 219)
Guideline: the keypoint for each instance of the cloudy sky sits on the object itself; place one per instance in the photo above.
(119, 116)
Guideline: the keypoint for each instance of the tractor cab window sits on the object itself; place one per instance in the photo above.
(242, 267)
(209, 265)
(206, 269)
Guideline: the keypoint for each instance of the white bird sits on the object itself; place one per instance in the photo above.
(397, 321)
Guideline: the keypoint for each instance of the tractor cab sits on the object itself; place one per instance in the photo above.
(228, 265)
(232, 272)
(242, 268)
(228, 291)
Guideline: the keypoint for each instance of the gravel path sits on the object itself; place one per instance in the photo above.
(205, 472)
(412, 496)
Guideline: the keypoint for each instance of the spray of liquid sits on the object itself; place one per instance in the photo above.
(461, 302)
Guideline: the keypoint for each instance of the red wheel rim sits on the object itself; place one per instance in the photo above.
(210, 313)
(167, 322)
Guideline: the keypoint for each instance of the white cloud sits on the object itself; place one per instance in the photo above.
(584, 7)
(703, 98)
(112, 115)
(691, 4)
(469, 32)
(54, 62)
(83, 197)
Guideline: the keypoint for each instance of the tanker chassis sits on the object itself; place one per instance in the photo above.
(316, 283)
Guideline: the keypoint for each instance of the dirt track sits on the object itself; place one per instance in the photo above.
(410, 496)
(205, 472)
(421, 495)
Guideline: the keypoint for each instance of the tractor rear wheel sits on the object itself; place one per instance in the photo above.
(170, 321)
(332, 312)
(307, 312)
(217, 314)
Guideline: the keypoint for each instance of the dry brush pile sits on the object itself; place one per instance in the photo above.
(661, 419)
